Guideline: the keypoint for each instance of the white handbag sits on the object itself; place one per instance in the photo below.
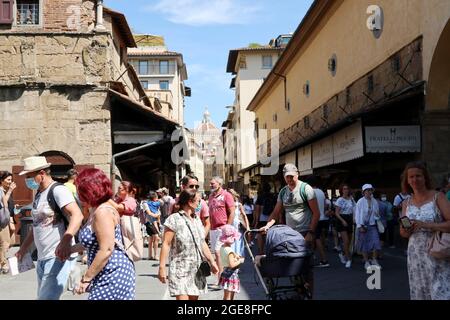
(380, 226)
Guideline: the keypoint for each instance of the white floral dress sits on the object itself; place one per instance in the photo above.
(184, 259)
(429, 278)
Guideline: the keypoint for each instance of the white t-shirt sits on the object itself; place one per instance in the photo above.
(47, 235)
(346, 205)
(298, 215)
(320, 196)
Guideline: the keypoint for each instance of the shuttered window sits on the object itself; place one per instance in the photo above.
(6, 11)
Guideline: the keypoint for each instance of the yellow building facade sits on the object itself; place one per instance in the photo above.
(362, 68)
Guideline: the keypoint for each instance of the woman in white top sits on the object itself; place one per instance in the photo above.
(366, 215)
(345, 206)
(429, 211)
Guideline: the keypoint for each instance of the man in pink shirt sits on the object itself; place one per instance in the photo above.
(221, 212)
(191, 182)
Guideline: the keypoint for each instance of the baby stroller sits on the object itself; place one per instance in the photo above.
(285, 265)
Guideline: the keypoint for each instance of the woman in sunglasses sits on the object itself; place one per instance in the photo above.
(190, 182)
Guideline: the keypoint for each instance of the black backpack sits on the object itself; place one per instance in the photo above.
(52, 203)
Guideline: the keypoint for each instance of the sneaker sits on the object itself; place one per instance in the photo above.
(348, 264)
(323, 264)
(342, 258)
(337, 249)
(375, 263)
(367, 265)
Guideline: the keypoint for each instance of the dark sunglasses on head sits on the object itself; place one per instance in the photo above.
(192, 186)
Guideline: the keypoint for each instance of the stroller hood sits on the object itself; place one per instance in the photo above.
(284, 242)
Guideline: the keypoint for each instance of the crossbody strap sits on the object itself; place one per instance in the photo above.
(192, 234)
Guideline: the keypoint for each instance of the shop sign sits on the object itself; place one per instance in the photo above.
(348, 143)
(384, 139)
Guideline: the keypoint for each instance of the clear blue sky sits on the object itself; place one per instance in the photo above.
(204, 31)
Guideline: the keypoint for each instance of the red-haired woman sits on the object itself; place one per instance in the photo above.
(124, 201)
(111, 274)
(429, 278)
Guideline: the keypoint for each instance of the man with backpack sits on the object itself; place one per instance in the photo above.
(302, 214)
(53, 233)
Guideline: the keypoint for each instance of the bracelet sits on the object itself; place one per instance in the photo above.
(84, 281)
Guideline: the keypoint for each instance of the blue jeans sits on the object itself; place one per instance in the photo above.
(52, 277)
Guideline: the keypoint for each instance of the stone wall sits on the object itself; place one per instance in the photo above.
(69, 119)
(66, 58)
(435, 144)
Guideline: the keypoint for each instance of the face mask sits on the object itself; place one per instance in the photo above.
(383, 198)
(214, 189)
(31, 184)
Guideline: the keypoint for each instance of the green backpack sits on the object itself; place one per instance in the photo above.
(302, 193)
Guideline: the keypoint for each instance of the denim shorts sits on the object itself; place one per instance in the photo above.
(52, 277)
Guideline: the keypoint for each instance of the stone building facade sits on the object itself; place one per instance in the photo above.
(58, 74)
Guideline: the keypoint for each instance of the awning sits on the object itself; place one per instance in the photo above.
(348, 143)
(304, 159)
(140, 107)
(322, 152)
(137, 137)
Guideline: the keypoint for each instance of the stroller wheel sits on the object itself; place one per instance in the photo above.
(270, 288)
(302, 288)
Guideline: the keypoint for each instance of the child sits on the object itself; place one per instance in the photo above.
(229, 279)
(152, 224)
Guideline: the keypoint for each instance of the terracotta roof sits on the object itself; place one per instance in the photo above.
(233, 54)
(122, 24)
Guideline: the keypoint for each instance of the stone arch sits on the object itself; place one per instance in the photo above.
(438, 86)
(61, 163)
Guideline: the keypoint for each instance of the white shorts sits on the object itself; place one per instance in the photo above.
(214, 236)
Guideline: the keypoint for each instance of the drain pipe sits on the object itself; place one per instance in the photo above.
(113, 161)
(99, 21)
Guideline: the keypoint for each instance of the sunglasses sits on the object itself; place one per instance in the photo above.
(290, 199)
(192, 186)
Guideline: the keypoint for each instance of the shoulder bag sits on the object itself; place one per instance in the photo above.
(440, 242)
(204, 270)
